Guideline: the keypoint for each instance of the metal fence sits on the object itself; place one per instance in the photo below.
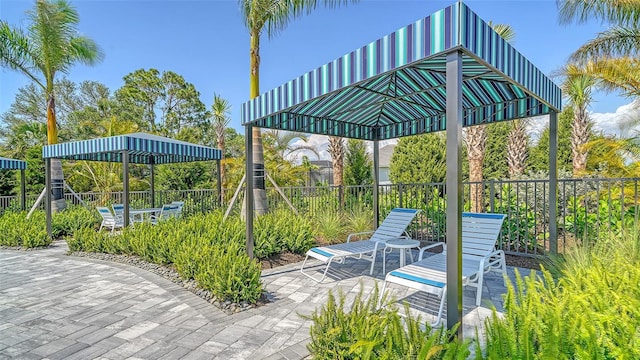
(588, 208)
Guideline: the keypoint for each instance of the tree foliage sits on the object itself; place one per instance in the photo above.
(419, 159)
(358, 165)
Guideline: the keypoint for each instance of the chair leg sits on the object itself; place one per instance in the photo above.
(503, 265)
(479, 288)
(324, 274)
(384, 287)
(373, 262)
(441, 308)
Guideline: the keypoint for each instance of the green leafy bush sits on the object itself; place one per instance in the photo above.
(591, 311)
(369, 332)
(17, 230)
(329, 227)
(75, 217)
(229, 273)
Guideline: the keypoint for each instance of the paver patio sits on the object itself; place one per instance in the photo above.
(56, 306)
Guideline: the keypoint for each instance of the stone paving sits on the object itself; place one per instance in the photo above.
(60, 307)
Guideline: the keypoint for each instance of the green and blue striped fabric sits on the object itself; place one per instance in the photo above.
(12, 164)
(143, 149)
(395, 86)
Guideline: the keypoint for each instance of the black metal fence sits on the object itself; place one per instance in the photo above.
(588, 208)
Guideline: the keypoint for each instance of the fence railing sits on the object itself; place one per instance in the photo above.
(588, 208)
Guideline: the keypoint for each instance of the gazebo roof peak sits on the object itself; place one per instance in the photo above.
(395, 86)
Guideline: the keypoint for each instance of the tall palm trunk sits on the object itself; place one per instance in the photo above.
(57, 177)
(517, 153)
(476, 140)
(223, 172)
(581, 128)
(336, 150)
(259, 189)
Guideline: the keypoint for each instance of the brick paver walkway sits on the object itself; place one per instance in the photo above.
(60, 307)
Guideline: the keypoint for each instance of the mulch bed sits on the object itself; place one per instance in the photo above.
(280, 260)
(523, 262)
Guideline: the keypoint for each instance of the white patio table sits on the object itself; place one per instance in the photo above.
(139, 215)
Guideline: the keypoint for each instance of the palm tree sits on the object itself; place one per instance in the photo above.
(336, 150)
(576, 88)
(50, 46)
(476, 140)
(220, 118)
(271, 16)
(282, 142)
(620, 40)
(517, 149)
(612, 56)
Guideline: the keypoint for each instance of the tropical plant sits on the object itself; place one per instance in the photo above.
(50, 46)
(517, 148)
(270, 16)
(576, 88)
(220, 118)
(611, 56)
(365, 330)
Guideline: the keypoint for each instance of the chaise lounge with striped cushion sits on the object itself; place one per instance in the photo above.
(479, 236)
(393, 227)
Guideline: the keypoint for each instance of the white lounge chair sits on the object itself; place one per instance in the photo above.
(178, 212)
(168, 211)
(109, 220)
(479, 236)
(393, 227)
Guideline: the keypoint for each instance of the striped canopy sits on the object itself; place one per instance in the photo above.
(12, 164)
(395, 86)
(143, 149)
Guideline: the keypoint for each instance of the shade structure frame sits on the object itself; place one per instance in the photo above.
(21, 165)
(135, 148)
(491, 82)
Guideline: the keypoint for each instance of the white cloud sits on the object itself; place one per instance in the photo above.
(622, 122)
(321, 143)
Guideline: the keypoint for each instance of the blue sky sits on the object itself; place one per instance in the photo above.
(206, 42)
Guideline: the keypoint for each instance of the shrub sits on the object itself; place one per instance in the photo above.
(591, 311)
(229, 273)
(360, 219)
(75, 217)
(17, 230)
(369, 332)
(329, 227)
(282, 230)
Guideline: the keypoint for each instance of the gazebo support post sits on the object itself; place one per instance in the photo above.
(125, 187)
(153, 181)
(47, 190)
(23, 190)
(553, 182)
(218, 172)
(376, 183)
(454, 119)
(248, 198)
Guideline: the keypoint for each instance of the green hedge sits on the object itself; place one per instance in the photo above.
(207, 249)
(17, 230)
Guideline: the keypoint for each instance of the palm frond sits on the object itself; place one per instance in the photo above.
(504, 30)
(16, 52)
(613, 11)
(617, 41)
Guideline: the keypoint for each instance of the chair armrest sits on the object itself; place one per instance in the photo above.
(360, 233)
(422, 250)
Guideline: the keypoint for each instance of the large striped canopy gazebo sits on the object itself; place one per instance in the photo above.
(13, 164)
(446, 71)
(137, 148)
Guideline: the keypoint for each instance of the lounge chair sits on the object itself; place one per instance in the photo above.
(393, 227)
(479, 236)
(109, 220)
(168, 211)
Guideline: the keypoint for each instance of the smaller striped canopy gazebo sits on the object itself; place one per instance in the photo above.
(446, 71)
(137, 148)
(13, 164)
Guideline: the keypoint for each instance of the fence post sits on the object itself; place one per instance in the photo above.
(400, 189)
(492, 195)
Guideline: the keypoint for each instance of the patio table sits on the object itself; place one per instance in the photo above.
(404, 245)
(138, 215)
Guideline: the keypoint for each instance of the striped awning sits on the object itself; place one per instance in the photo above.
(12, 164)
(143, 149)
(395, 86)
